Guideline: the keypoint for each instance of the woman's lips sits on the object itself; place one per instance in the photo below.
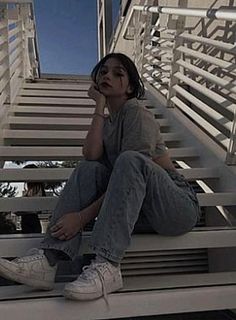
(105, 85)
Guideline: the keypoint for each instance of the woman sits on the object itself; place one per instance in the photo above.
(126, 173)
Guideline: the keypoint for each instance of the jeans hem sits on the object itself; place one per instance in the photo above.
(67, 251)
(105, 254)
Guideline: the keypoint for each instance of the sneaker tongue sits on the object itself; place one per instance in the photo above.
(88, 273)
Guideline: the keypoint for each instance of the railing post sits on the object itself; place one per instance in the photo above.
(30, 63)
(142, 24)
(5, 63)
(231, 152)
(180, 24)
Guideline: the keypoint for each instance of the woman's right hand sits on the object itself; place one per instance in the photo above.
(97, 96)
(67, 226)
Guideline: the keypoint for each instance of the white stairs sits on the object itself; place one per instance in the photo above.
(162, 275)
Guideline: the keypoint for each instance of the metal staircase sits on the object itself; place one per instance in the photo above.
(47, 119)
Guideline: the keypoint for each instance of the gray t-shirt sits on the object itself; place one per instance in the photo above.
(133, 127)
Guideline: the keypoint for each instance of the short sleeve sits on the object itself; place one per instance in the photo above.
(140, 130)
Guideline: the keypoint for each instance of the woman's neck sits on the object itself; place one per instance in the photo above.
(114, 104)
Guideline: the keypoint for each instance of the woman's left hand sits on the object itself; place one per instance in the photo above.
(67, 226)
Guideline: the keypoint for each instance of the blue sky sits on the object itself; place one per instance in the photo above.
(67, 35)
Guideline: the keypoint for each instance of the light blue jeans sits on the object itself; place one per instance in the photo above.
(135, 188)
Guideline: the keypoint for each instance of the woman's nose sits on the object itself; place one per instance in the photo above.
(107, 75)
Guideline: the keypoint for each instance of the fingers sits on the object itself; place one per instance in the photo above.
(57, 226)
(61, 235)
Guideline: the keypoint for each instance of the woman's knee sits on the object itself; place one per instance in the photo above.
(128, 157)
(87, 166)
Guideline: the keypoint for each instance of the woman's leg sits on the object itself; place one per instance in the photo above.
(136, 184)
(38, 270)
(87, 183)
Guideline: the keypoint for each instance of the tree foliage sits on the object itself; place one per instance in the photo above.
(6, 190)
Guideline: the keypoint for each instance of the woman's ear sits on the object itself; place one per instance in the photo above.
(129, 90)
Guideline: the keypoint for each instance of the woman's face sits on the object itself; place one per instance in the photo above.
(113, 80)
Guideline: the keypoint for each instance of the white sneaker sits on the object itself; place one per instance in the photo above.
(95, 281)
(33, 270)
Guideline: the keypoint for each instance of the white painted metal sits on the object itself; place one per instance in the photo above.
(227, 47)
(50, 85)
(61, 174)
(69, 153)
(63, 111)
(225, 107)
(55, 137)
(146, 303)
(54, 93)
(224, 14)
(156, 49)
(226, 84)
(214, 61)
(55, 101)
(132, 284)
(204, 124)
(48, 203)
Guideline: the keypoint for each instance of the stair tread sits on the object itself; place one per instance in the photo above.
(13, 245)
(123, 304)
(56, 86)
(48, 203)
(69, 153)
(58, 101)
(55, 123)
(131, 284)
(60, 135)
(58, 174)
(53, 93)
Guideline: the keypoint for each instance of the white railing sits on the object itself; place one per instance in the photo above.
(18, 53)
(195, 73)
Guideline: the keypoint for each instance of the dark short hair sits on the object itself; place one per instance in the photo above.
(135, 81)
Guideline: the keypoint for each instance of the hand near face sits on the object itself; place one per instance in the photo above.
(97, 96)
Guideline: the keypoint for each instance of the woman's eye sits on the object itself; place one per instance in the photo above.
(119, 74)
(102, 72)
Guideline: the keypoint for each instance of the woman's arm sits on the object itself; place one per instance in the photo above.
(164, 161)
(93, 145)
(71, 223)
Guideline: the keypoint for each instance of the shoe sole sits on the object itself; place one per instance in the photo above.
(73, 295)
(37, 284)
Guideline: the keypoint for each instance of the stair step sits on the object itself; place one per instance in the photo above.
(62, 174)
(132, 284)
(210, 237)
(48, 203)
(53, 93)
(54, 137)
(55, 101)
(9, 153)
(55, 111)
(123, 304)
(43, 123)
(56, 86)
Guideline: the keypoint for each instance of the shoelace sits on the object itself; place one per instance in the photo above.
(32, 254)
(89, 271)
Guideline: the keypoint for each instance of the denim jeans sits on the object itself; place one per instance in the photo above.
(135, 187)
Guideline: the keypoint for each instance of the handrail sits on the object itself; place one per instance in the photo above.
(194, 73)
(17, 36)
(17, 31)
(223, 14)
